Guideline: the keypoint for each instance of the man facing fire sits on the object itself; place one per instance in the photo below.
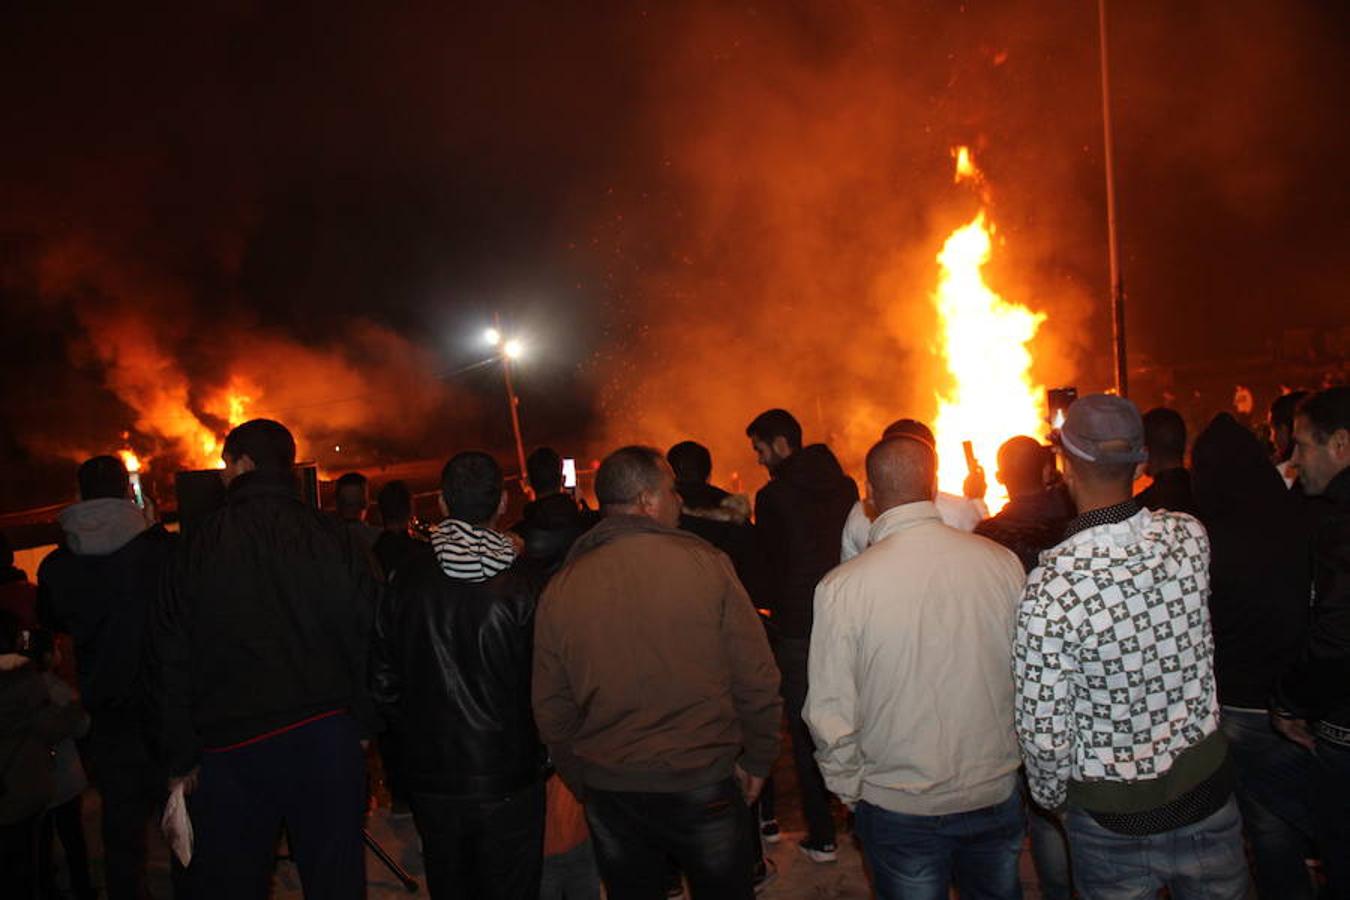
(260, 640)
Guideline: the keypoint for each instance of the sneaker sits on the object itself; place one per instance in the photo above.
(765, 875)
(768, 829)
(818, 853)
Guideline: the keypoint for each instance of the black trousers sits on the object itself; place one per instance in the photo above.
(64, 822)
(705, 830)
(132, 789)
(791, 654)
(314, 779)
(489, 848)
(18, 858)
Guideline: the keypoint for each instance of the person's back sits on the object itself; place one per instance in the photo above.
(1035, 515)
(1117, 709)
(99, 587)
(911, 699)
(452, 663)
(551, 522)
(931, 611)
(653, 686)
(273, 597)
(261, 639)
(1165, 438)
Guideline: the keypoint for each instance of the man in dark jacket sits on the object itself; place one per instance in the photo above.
(1165, 438)
(99, 587)
(453, 652)
(552, 520)
(1259, 579)
(396, 543)
(1316, 689)
(799, 524)
(1035, 516)
(261, 637)
(719, 517)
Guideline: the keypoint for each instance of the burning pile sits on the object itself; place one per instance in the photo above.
(984, 344)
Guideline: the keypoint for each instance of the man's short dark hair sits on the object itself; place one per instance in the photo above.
(264, 441)
(1113, 473)
(471, 484)
(626, 473)
(103, 477)
(351, 492)
(1327, 412)
(691, 461)
(6, 552)
(395, 501)
(1022, 461)
(1165, 434)
(776, 423)
(1283, 408)
(544, 468)
(911, 427)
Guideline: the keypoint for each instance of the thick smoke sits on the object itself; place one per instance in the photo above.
(704, 209)
(785, 254)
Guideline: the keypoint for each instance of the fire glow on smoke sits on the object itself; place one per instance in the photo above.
(984, 342)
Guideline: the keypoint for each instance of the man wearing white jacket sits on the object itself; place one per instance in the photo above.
(911, 699)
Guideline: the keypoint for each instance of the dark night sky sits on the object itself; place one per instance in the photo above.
(694, 210)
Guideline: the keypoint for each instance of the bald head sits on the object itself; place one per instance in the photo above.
(901, 470)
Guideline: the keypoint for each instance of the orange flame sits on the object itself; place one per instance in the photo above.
(130, 460)
(984, 342)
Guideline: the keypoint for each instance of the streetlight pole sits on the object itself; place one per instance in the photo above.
(1113, 244)
(513, 402)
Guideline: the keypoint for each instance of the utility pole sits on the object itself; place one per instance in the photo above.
(504, 353)
(1113, 242)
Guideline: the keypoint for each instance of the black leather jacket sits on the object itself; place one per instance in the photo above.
(451, 674)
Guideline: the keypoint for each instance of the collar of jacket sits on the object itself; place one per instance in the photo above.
(613, 528)
(1106, 515)
(262, 484)
(1338, 490)
(900, 518)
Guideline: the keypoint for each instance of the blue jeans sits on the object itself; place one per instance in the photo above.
(1275, 780)
(704, 830)
(1204, 861)
(1050, 854)
(917, 857)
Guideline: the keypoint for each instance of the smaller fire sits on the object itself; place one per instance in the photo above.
(130, 460)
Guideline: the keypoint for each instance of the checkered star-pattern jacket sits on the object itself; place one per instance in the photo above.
(1114, 658)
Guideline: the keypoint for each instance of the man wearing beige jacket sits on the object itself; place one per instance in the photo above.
(911, 700)
(655, 690)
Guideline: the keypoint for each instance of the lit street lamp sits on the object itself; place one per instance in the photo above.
(509, 349)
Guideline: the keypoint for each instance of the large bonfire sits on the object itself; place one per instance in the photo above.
(984, 344)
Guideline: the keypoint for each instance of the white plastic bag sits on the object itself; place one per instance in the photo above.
(177, 826)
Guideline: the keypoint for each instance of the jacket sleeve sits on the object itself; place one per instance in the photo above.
(831, 709)
(769, 538)
(1044, 652)
(358, 632)
(1319, 682)
(556, 713)
(754, 677)
(170, 669)
(386, 669)
(856, 529)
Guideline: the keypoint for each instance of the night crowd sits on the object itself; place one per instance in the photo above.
(1155, 687)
